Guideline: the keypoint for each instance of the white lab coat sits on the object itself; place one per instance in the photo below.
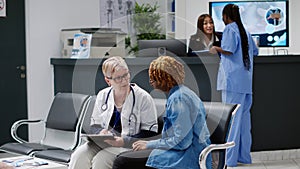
(144, 109)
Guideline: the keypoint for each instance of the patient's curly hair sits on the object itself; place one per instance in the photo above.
(166, 72)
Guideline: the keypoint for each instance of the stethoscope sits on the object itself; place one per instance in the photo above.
(132, 116)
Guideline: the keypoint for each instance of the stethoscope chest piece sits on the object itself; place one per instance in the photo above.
(104, 107)
(132, 116)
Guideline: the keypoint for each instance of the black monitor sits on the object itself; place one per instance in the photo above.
(266, 20)
(159, 47)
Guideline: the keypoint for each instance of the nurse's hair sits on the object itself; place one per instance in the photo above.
(113, 64)
(166, 72)
(232, 11)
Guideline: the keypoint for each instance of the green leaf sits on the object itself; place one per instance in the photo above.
(146, 22)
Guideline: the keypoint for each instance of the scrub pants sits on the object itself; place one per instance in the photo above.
(240, 130)
(89, 155)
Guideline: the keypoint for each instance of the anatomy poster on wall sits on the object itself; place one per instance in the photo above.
(116, 14)
(2, 8)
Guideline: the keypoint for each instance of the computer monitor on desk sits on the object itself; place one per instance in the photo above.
(159, 47)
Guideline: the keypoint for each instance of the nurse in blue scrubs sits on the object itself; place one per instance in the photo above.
(235, 81)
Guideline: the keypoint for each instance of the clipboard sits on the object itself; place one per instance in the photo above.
(201, 51)
(99, 138)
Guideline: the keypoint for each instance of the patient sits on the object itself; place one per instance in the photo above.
(185, 133)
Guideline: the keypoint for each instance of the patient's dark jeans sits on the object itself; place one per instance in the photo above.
(132, 160)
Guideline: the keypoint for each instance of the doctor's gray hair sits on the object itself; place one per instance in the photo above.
(112, 65)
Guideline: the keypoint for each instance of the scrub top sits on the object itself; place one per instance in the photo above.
(233, 75)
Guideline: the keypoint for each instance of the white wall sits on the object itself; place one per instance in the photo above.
(294, 27)
(45, 19)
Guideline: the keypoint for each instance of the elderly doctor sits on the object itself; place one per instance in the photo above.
(124, 109)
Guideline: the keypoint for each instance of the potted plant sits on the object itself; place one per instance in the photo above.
(147, 26)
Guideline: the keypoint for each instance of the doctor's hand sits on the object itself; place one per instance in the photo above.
(104, 131)
(139, 145)
(5, 166)
(117, 142)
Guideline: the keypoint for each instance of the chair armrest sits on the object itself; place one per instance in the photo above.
(203, 155)
(17, 124)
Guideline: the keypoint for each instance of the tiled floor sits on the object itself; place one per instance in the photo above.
(279, 164)
(282, 159)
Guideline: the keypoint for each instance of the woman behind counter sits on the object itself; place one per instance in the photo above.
(205, 36)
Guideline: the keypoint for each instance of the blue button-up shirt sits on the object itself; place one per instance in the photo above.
(185, 133)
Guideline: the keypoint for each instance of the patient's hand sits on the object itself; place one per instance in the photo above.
(139, 145)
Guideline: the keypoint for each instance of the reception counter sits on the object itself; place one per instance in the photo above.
(275, 110)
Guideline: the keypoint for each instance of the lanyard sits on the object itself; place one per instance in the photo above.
(117, 117)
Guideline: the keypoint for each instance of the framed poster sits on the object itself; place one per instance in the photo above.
(2, 8)
(116, 14)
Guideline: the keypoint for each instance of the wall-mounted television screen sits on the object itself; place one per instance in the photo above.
(267, 21)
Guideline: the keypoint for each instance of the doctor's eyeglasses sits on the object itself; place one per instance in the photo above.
(120, 78)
